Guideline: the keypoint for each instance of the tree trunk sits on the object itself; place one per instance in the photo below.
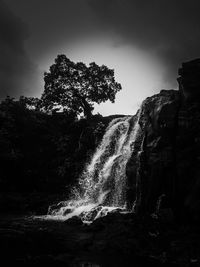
(87, 109)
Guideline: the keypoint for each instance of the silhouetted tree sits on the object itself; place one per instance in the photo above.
(74, 87)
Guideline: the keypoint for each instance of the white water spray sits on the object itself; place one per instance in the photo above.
(102, 186)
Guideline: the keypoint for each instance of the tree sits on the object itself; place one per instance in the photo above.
(32, 103)
(74, 87)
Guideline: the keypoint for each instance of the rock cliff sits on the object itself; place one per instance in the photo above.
(164, 171)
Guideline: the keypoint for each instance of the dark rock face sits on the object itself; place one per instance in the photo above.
(167, 165)
(156, 170)
(188, 158)
(189, 81)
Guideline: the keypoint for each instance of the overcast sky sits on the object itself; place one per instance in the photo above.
(143, 40)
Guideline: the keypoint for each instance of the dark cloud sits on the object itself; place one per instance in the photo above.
(54, 25)
(170, 30)
(16, 70)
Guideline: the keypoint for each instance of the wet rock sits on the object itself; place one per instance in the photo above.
(89, 216)
(74, 221)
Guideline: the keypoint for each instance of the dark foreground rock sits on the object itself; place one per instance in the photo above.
(114, 240)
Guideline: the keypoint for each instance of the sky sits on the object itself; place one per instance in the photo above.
(144, 41)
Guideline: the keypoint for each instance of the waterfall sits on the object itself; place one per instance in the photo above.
(102, 185)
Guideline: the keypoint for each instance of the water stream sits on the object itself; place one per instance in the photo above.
(102, 185)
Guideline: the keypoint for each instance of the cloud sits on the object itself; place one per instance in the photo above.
(16, 69)
(169, 30)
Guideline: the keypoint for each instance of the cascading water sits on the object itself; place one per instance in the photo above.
(102, 186)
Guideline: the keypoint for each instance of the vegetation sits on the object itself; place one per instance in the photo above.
(74, 87)
(43, 152)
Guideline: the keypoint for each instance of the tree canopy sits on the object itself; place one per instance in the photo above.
(75, 87)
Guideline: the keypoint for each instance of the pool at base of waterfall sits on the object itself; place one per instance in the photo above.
(87, 213)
